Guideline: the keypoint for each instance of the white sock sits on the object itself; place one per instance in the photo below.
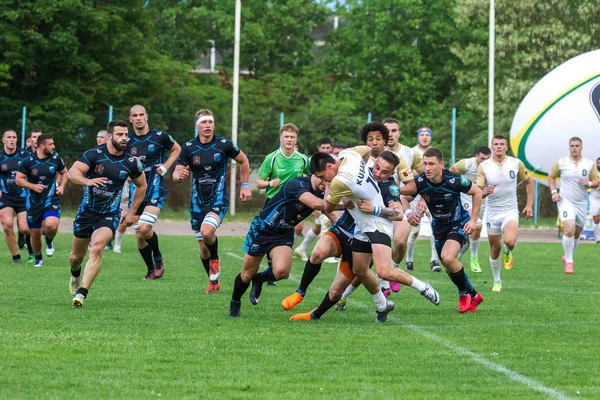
(410, 248)
(568, 247)
(495, 269)
(310, 237)
(119, 238)
(475, 248)
(396, 265)
(383, 284)
(380, 301)
(597, 232)
(434, 256)
(505, 249)
(417, 284)
(463, 249)
(348, 292)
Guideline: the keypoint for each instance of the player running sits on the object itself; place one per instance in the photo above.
(595, 207)
(206, 157)
(576, 174)
(150, 145)
(497, 177)
(102, 171)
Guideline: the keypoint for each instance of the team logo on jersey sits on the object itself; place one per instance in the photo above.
(196, 159)
(223, 140)
(122, 174)
(584, 172)
(99, 168)
(4, 167)
(139, 165)
(464, 181)
(452, 180)
(235, 147)
(98, 151)
(134, 151)
(448, 197)
(420, 179)
(52, 170)
(217, 157)
(34, 172)
(207, 168)
(171, 139)
(394, 191)
(151, 148)
(512, 174)
(405, 174)
(159, 133)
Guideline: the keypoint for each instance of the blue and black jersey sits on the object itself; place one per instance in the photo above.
(390, 192)
(9, 165)
(208, 167)
(284, 211)
(150, 149)
(42, 171)
(116, 169)
(443, 199)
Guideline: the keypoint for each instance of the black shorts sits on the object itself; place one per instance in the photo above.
(196, 217)
(18, 204)
(358, 246)
(443, 233)
(260, 241)
(87, 222)
(36, 215)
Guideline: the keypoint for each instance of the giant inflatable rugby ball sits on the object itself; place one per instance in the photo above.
(565, 103)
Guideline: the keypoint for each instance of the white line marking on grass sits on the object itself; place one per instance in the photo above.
(515, 376)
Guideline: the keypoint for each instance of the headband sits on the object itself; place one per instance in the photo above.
(424, 129)
(205, 118)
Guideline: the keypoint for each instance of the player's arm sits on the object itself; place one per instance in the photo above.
(77, 175)
(476, 193)
(138, 197)
(312, 201)
(182, 169)
(552, 176)
(22, 181)
(593, 181)
(417, 164)
(405, 174)
(264, 175)
(412, 217)
(173, 157)
(481, 182)
(364, 151)
(524, 175)
(245, 193)
(334, 194)
(392, 212)
(61, 179)
(459, 167)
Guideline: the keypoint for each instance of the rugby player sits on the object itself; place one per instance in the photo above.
(595, 207)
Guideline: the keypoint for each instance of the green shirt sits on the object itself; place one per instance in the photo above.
(277, 165)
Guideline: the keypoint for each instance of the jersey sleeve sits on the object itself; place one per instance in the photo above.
(231, 149)
(296, 188)
(306, 170)
(593, 174)
(481, 181)
(554, 172)
(463, 184)
(362, 150)
(88, 158)
(184, 155)
(460, 167)
(404, 171)
(523, 173)
(417, 164)
(390, 193)
(61, 164)
(266, 167)
(337, 190)
(25, 166)
(135, 167)
(166, 141)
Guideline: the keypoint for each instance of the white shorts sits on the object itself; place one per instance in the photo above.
(467, 203)
(568, 210)
(594, 206)
(366, 223)
(497, 220)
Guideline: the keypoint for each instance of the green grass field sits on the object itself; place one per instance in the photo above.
(144, 339)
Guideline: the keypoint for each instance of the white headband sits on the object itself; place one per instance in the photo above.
(205, 118)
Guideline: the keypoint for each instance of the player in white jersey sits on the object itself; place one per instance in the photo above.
(468, 168)
(576, 174)
(497, 177)
(595, 207)
(424, 136)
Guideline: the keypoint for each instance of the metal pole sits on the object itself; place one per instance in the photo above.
(236, 93)
(281, 119)
(368, 118)
(110, 113)
(23, 126)
(491, 73)
(536, 189)
(453, 158)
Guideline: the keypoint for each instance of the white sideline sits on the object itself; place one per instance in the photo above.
(515, 376)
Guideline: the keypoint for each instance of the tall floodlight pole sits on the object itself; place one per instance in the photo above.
(491, 74)
(236, 94)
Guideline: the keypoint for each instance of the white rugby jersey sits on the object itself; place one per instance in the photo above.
(419, 151)
(467, 167)
(504, 177)
(412, 156)
(570, 171)
(355, 181)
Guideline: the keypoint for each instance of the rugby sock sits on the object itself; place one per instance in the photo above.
(380, 301)
(348, 291)
(310, 272)
(267, 275)
(475, 247)
(213, 249)
(28, 243)
(17, 257)
(308, 239)
(385, 285)
(82, 291)
(21, 240)
(77, 273)
(568, 246)
(39, 257)
(153, 242)
(395, 264)
(434, 256)
(597, 232)
(418, 284)
(206, 265)
(119, 238)
(146, 253)
(463, 250)
(495, 268)
(239, 288)
(326, 304)
(461, 281)
(410, 248)
(48, 242)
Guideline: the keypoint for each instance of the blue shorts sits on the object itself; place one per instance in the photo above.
(155, 197)
(36, 216)
(87, 222)
(259, 241)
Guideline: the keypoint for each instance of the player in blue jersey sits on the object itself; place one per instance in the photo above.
(102, 171)
(451, 223)
(39, 174)
(205, 158)
(12, 196)
(150, 145)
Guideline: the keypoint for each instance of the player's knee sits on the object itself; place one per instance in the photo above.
(208, 233)
(447, 259)
(318, 255)
(8, 227)
(247, 275)
(96, 250)
(281, 273)
(75, 258)
(335, 293)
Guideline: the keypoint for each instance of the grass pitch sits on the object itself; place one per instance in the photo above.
(166, 338)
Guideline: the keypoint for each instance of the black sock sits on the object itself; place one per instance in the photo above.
(267, 275)
(48, 241)
(77, 273)
(39, 257)
(310, 272)
(146, 253)
(269, 261)
(153, 242)
(21, 240)
(325, 305)
(239, 288)
(213, 249)
(28, 243)
(82, 291)
(16, 257)
(461, 281)
(206, 264)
